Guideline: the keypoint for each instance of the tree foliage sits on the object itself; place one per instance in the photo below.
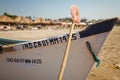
(67, 19)
(84, 20)
(29, 17)
(9, 15)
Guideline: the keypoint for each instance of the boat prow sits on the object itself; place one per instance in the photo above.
(42, 59)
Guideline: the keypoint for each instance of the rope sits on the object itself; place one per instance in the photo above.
(93, 54)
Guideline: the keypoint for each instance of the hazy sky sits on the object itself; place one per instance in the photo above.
(54, 9)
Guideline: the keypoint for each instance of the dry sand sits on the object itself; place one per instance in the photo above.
(33, 34)
(109, 68)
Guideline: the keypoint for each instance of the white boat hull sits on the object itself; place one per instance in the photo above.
(49, 61)
(43, 61)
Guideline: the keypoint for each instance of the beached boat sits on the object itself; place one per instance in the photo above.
(42, 59)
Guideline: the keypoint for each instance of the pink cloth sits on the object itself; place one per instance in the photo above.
(75, 13)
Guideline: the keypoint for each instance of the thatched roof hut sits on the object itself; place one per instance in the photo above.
(6, 19)
(23, 20)
(39, 20)
(42, 21)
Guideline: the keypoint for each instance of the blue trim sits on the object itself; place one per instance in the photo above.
(4, 41)
(97, 28)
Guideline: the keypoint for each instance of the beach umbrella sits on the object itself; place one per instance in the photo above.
(76, 19)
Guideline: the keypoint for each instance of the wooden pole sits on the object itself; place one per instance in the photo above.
(61, 73)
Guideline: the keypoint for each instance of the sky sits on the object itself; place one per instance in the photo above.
(55, 9)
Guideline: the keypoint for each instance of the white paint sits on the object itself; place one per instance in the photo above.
(78, 66)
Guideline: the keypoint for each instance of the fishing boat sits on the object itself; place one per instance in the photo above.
(42, 59)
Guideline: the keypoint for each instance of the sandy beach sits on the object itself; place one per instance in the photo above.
(109, 68)
(33, 34)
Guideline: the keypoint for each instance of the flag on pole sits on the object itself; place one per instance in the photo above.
(75, 13)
